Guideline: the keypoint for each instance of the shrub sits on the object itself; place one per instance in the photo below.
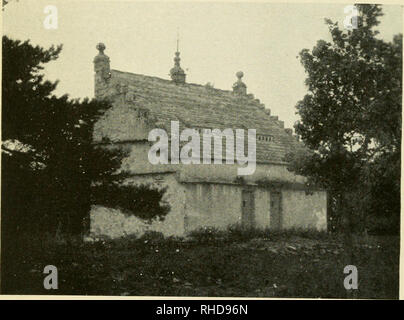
(299, 232)
(207, 235)
(152, 237)
(239, 233)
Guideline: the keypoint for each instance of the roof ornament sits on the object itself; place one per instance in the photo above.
(239, 86)
(178, 39)
(101, 47)
(177, 73)
(101, 63)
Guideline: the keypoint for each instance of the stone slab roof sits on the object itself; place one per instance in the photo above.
(198, 106)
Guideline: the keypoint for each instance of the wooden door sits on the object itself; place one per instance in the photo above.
(247, 206)
(275, 219)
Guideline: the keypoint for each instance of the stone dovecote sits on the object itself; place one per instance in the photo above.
(192, 105)
(199, 195)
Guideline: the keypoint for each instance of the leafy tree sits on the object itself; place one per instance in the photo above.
(52, 171)
(351, 119)
(49, 160)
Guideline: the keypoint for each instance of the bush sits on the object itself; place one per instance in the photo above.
(152, 237)
(207, 235)
(233, 233)
(299, 232)
(239, 233)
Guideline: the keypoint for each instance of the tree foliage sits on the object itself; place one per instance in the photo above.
(351, 118)
(143, 201)
(49, 160)
(52, 172)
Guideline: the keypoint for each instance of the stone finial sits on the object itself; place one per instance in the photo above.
(101, 47)
(239, 87)
(101, 63)
(177, 73)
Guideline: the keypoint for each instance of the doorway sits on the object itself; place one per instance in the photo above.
(247, 208)
(275, 218)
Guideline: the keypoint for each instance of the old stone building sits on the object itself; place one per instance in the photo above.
(199, 195)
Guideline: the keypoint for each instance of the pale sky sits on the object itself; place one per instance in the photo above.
(216, 41)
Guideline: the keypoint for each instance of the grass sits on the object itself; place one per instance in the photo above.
(238, 263)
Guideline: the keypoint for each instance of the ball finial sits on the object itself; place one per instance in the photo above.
(239, 86)
(239, 75)
(101, 47)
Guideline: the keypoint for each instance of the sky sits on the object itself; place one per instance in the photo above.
(215, 40)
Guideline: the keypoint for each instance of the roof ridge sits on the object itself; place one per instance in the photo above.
(229, 92)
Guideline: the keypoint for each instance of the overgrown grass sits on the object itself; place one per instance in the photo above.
(237, 233)
(249, 263)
